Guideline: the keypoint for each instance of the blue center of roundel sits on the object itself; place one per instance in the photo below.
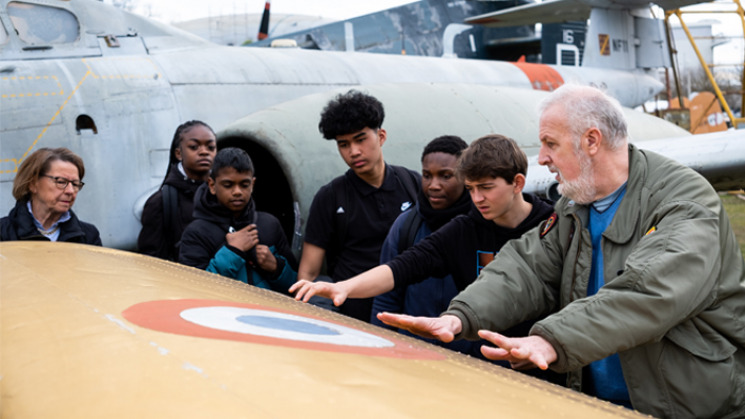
(286, 324)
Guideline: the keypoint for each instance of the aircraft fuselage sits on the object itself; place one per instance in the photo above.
(115, 95)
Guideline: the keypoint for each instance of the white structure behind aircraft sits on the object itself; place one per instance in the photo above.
(113, 86)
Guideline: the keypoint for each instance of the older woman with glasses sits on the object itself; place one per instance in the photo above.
(45, 188)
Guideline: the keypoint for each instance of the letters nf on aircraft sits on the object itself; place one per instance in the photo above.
(95, 332)
(112, 87)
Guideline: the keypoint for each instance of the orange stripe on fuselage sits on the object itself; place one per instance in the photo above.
(542, 77)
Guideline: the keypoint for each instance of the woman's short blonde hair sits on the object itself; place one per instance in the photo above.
(37, 165)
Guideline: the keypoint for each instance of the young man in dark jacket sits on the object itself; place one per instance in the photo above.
(229, 237)
(442, 198)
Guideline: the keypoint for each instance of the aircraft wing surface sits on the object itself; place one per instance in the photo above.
(96, 332)
(718, 156)
(556, 11)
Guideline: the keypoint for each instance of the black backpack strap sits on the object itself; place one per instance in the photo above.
(170, 210)
(408, 230)
(407, 180)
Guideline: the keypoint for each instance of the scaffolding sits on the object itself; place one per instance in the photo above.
(735, 121)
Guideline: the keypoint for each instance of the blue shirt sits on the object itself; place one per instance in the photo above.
(606, 373)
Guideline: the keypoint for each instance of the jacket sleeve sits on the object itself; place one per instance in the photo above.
(670, 275)
(226, 263)
(425, 259)
(392, 301)
(151, 240)
(286, 275)
(520, 284)
(196, 249)
(282, 246)
(389, 250)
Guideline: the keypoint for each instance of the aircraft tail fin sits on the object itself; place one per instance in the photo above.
(264, 27)
(620, 35)
(625, 40)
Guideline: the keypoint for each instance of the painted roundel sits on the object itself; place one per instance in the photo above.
(266, 325)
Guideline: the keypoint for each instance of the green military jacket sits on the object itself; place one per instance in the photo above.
(673, 303)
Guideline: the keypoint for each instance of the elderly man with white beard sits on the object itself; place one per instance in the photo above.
(638, 268)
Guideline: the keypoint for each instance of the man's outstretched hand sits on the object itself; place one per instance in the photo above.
(521, 353)
(443, 328)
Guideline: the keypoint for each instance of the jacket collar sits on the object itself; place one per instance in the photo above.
(179, 181)
(26, 229)
(389, 182)
(207, 207)
(626, 221)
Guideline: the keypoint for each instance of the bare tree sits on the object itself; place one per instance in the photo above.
(728, 78)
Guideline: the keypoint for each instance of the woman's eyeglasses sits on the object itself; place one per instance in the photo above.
(62, 182)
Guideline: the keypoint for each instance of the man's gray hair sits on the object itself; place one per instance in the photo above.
(586, 107)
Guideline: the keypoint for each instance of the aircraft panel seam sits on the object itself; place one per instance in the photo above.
(17, 162)
(60, 92)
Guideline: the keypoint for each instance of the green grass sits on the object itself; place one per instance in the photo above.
(735, 206)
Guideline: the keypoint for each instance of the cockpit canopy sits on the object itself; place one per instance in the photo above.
(42, 29)
(38, 24)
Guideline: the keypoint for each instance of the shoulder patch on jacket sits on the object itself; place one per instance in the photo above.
(549, 224)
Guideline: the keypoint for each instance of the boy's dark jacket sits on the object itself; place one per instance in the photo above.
(203, 244)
